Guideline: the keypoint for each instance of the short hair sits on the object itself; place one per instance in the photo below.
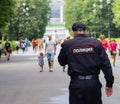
(102, 36)
(78, 26)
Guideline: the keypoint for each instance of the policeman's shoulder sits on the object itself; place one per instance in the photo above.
(95, 41)
(66, 43)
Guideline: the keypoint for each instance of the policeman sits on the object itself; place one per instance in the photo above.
(85, 58)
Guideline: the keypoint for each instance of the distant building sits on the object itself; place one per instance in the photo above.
(57, 32)
(57, 19)
(56, 15)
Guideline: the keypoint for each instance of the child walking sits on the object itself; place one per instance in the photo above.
(41, 61)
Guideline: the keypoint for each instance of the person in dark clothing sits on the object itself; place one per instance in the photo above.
(0, 49)
(85, 58)
(8, 49)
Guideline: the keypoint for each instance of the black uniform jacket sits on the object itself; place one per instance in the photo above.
(85, 56)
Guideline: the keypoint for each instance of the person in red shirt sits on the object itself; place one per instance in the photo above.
(104, 42)
(113, 52)
(34, 45)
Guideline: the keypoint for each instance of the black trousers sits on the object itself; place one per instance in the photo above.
(85, 91)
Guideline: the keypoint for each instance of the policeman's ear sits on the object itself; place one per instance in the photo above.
(85, 31)
(74, 33)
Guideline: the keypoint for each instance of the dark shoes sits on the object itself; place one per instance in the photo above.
(8, 58)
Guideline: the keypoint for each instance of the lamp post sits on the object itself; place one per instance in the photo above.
(25, 10)
(94, 11)
(108, 2)
(101, 16)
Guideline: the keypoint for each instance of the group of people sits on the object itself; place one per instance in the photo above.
(22, 44)
(110, 46)
(7, 48)
(37, 44)
(85, 58)
(50, 52)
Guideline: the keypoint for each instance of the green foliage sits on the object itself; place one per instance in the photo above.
(6, 10)
(82, 10)
(19, 24)
(39, 12)
(116, 11)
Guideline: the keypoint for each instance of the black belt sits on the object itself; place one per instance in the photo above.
(85, 77)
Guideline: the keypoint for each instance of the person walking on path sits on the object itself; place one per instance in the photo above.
(8, 49)
(23, 47)
(41, 61)
(85, 58)
(26, 44)
(104, 42)
(113, 51)
(34, 45)
(40, 44)
(0, 49)
(50, 51)
(17, 46)
(21, 42)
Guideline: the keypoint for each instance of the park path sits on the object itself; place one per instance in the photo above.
(22, 83)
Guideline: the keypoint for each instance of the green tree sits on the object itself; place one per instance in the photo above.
(6, 10)
(30, 23)
(79, 10)
(116, 11)
(97, 22)
(40, 14)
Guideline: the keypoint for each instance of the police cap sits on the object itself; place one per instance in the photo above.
(78, 26)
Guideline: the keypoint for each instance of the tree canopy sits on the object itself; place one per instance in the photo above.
(6, 10)
(116, 11)
(98, 16)
(30, 20)
(26, 18)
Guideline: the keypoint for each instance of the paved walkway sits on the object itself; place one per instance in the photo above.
(22, 83)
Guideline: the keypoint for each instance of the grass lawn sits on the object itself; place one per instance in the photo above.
(117, 39)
